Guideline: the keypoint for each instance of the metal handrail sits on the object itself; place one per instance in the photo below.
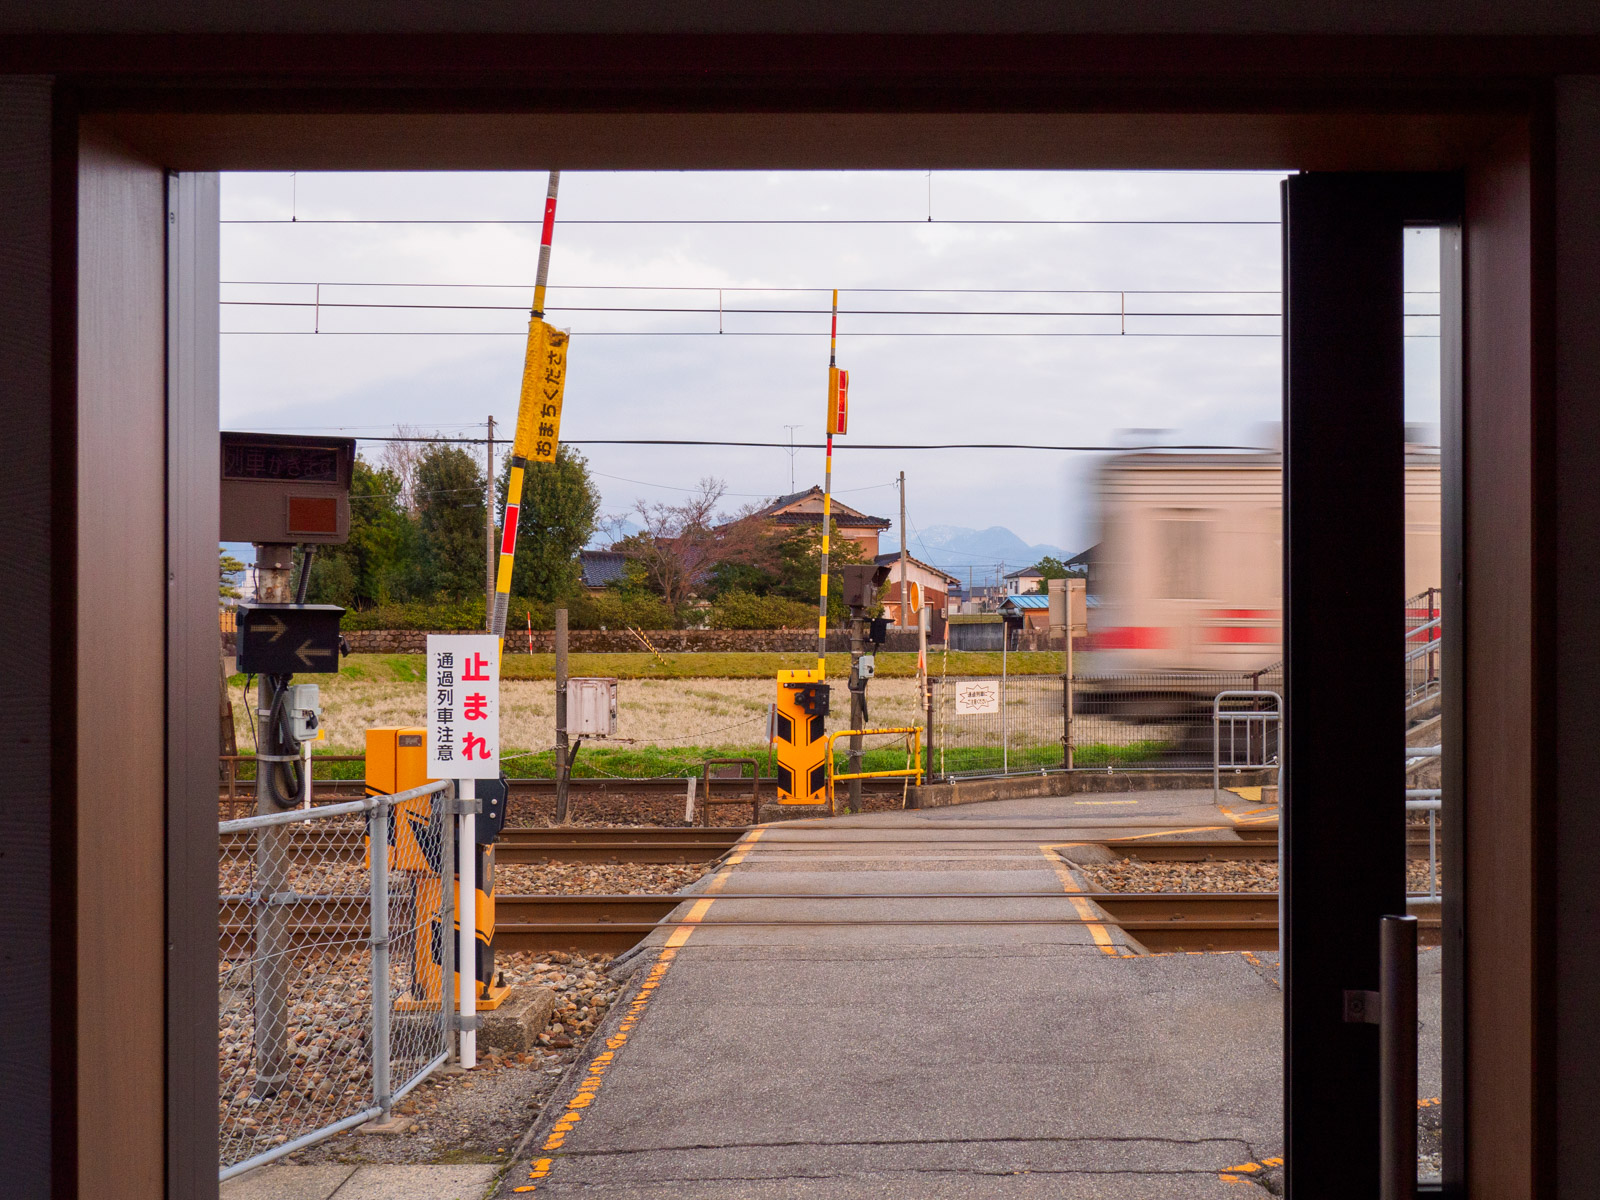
(365, 804)
(1247, 715)
(911, 772)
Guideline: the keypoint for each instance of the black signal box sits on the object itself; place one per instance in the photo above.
(288, 639)
(861, 584)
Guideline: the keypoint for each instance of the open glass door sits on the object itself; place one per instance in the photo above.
(1344, 822)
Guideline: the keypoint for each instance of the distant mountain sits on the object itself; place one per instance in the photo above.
(955, 549)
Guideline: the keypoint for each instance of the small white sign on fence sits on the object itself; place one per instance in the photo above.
(977, 696)
(463, 706)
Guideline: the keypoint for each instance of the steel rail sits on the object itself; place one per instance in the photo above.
(1158, 921)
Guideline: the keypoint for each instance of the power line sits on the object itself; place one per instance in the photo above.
(680, 287)
(920, 222)
(734, 333)
(760, 312)
(820, 445)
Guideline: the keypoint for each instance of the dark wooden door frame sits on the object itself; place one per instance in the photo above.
(1343, 822)
(1502, 1040)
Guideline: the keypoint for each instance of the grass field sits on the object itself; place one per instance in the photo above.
(700, 706)
(596, 761)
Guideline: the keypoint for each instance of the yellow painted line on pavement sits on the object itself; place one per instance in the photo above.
(1096, 927)
(590, 1087)
(1105, 802)
(1170, 832)
(1233, 1174)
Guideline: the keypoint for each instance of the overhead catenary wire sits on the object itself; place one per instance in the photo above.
(920, 222)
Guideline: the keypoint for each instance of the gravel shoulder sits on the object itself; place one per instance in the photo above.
(478, 1116)
(1230, 876)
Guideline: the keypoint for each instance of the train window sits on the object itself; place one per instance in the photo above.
(1182, 545)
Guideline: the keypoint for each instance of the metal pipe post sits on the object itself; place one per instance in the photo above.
(378, 855)
(923, 615)
(1397, 1057)
(270, 968)
(857, 707)
(270, 985)
(563, 761)
(1069, 676)
(489, 555)
(444, 804)
(467, 903)
(1005, 741)
(905, 595)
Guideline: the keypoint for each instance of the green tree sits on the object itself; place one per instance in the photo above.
(1053, 568)
(560, 506)
(229, 569)
(450, 515)
(373, 566)
(799, 569)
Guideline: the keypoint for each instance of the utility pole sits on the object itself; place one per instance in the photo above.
(858, 703)
(905, 595)
(488, 532)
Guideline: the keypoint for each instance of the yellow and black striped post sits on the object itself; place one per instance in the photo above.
(802, 703)
(538, 432)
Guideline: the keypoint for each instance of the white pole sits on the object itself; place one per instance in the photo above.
(467, 906)
(1005, 742)
(305, 774)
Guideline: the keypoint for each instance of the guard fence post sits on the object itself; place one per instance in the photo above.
(378, 855)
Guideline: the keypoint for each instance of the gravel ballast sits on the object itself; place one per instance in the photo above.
(1227, 876)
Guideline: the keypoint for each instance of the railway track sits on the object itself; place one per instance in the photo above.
(1163, 922)
(691, 844)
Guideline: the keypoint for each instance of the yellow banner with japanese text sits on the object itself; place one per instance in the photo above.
(544, 378)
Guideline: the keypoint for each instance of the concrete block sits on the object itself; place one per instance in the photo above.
(467, 1181)
(516, 1025)
(393, 1127)
(277, 1182)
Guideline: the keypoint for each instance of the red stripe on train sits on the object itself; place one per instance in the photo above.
(1243, 635)
(1132, 637)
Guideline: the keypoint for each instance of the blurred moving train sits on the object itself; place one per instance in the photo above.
(1188, 572)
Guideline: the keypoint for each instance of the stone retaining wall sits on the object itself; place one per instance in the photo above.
(603, 641)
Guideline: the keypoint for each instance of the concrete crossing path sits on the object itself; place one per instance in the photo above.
(914, 1005)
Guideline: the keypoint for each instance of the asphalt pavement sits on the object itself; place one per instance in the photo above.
(979, 1045)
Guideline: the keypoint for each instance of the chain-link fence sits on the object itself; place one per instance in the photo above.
(329, 1004)
(1144, 720)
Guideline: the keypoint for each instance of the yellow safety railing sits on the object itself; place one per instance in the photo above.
(911, 772)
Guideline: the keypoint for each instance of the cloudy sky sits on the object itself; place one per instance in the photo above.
(1000, 320)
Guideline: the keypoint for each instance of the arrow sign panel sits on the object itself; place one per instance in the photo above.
(288, 639)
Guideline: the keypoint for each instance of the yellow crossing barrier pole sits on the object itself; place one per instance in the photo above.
(802, 700)
(538, 433)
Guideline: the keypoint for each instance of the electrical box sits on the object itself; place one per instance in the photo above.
(397, 761)
(304, 703)
(866, 666)
(286, 489)
(591, 707)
